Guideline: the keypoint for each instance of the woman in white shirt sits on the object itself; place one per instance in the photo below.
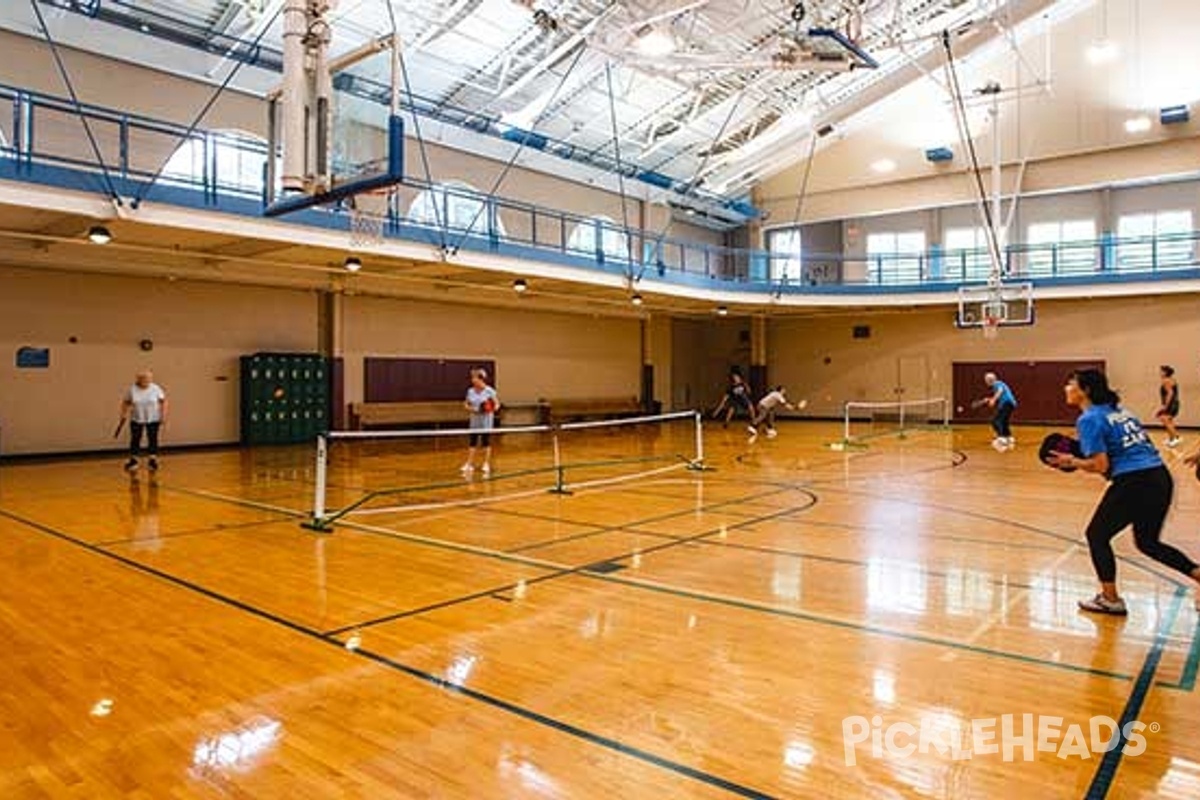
(483, 403)
(145, 406)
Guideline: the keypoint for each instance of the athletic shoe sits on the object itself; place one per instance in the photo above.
(131, 465)
(1174, 442)
(153, 464)
(999, 444)
(772, 433)
(1102, 605)
(467, 469)
(752, 430)
(486, 470)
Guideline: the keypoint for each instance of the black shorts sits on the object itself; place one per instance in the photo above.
(1170, 410)
(482, 439)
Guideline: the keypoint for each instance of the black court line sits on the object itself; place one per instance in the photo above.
(718, 600)
(1013, 523)
(847, 561)
(560, 573)
(711, 507)
(1106, 771)
(221, 528)
(863, 529)
(751, 606)
(495, 702)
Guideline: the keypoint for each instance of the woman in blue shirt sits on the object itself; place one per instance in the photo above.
(1115, 445)
(1004, 402)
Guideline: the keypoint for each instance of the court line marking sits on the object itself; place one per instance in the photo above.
(562, 570)
(747, 605)
(1018, 596)
(1001, 520)
(1106, 770)
(515, 558)
(545, 720)
(190, 532)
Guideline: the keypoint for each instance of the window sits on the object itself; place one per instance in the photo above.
(968, 256)
(1060, 248)
(895, 257)
(786, 265)
(613, 242)
(229, 160)
(1150, 241)
(455, 206)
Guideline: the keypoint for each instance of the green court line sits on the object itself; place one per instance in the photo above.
(1191, 666)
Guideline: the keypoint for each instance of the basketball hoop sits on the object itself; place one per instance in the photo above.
(366, 221)
(991, 327)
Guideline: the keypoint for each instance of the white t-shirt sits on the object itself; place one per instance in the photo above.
(772, 400)
(146, 403)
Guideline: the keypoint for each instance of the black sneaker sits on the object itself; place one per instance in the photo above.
(131, 465)
(153, 464)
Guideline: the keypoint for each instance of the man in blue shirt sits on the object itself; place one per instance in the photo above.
(1115, 445)
(1003, 402)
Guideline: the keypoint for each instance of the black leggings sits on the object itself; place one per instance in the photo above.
(135, 437)
(1140, 499)
(480, 439)
(1004, 412)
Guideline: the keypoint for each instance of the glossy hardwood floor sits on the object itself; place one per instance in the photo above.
(684, 635)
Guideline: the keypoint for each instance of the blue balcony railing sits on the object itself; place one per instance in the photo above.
(42, 140)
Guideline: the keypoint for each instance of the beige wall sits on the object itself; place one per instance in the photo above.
(1133, 335)
(536, 354)
(703, 352)
(199, 330)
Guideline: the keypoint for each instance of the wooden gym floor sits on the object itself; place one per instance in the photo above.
(688, 635)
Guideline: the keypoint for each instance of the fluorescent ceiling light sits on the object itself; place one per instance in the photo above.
(1138, 124)
(1102, 51)
(655, 43)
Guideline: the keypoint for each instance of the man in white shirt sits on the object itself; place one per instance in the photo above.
(766, 411)
(145, 406)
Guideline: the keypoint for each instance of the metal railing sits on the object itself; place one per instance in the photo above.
(42, 140)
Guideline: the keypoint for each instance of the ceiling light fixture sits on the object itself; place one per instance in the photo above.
(1138, 124)
(1102, 51)
(98, 234)
(352, 264)
(520, 286)
(655, 42)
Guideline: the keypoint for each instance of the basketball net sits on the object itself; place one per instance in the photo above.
(991, 326)
(366, 223)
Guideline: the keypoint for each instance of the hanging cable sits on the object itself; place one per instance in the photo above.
(716, 139)
(437, 216)
(521, 146)
(800, 197)
(960, 110)
(612, 110)
(146, 187)
(66, 77)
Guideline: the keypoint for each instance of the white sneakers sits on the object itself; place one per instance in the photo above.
(1103, 605)
(1174, 441)
(1004, 443)
(469, 468)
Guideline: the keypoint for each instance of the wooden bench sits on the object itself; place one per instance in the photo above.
(594, 408)
(379, 415)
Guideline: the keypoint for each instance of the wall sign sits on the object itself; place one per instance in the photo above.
(33, 357)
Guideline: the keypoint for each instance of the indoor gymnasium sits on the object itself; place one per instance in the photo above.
(599, 399)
